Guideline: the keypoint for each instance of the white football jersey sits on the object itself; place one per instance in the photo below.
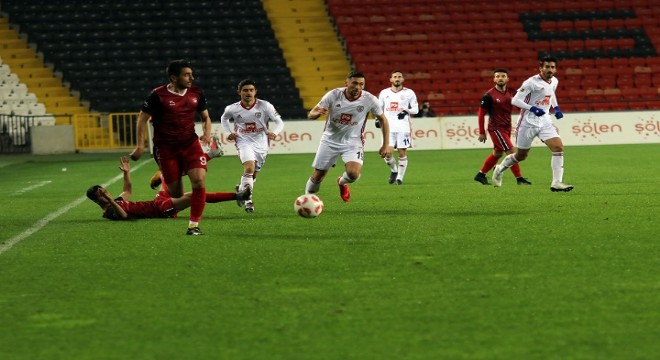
(347, 119)
(394, 102)
(251, 124)
(536, 91)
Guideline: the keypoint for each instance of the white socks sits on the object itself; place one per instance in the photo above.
(557, 164)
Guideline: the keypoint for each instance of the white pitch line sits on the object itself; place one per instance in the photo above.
(6, 245)
(32, 187)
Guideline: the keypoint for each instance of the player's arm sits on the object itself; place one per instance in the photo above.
(519, 100)
(127, 188)
(413, 108)
(226, 127)
(279, 124)
(316, 112)
(486, 102)
(142, 120)
(205, 139)
(119, 212)
(385, 149)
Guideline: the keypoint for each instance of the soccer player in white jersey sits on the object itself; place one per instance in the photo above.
(534, 98)
(398, 103)
(251, 132)
(346, 109)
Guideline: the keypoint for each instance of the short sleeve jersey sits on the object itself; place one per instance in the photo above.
(498, 105)
(538, 92)
(173, 115)
(347, 118)
(251, 124)
(161, 207)
(395, 102)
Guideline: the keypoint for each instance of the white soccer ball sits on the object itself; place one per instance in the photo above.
(308, 206)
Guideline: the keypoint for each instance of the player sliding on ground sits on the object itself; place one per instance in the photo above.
(163, 206)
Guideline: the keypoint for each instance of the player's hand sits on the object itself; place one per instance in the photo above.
(205, 139)
(136, 153)
(271, 135)
(537, 111)
(482, 138)
(231, 137)
(124, 165)
(385, 151)
(558, 113)
(378, 123)
(317, 111)
(402, 115)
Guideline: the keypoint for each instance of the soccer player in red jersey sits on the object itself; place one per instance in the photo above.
(496, 102)
(163, 206)
(178, 149)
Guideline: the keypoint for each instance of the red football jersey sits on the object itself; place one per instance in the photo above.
(173, 115)
(160, 207)
(498, 105)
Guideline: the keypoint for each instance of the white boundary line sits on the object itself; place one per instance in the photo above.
(6, 245)
(32, 187)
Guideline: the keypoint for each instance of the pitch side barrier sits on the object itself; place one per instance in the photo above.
(462, 132)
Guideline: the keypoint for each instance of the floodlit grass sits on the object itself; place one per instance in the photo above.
(439, 268)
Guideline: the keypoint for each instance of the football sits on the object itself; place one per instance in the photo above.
(308, 206)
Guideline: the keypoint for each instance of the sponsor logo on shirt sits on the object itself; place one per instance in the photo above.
(345, 119)
(251, 128)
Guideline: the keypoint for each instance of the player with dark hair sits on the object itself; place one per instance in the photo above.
(346, 109)
(496, 103)
(163, 206)
(172, 109)
(398, 103)
(534, 98)
(251, 131)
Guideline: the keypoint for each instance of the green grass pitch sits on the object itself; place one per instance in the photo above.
(439, 268)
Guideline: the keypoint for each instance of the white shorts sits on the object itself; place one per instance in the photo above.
(248, 153)
(525, 134)
(326, 155)
(400, 140)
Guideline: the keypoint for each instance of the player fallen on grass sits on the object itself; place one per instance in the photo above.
(163, 206)
(534, 99)
(346, 109)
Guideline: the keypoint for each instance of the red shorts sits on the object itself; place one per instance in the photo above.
(501, 139)
(163, 202)
(174, 162)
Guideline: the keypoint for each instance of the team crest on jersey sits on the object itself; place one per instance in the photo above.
(172, 103)
(360, 108)
(257, 115)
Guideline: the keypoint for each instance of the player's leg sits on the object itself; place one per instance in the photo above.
(557, 163)
(194, 160)
(524, 139)
(390, 161)
(353, 158)
(491, 160)
(404, 141)
(325, 158)
(505, 145)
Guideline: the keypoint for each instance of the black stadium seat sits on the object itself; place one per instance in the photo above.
(110, 45)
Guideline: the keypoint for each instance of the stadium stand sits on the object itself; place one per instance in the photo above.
(113, 52)
(607, 49)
